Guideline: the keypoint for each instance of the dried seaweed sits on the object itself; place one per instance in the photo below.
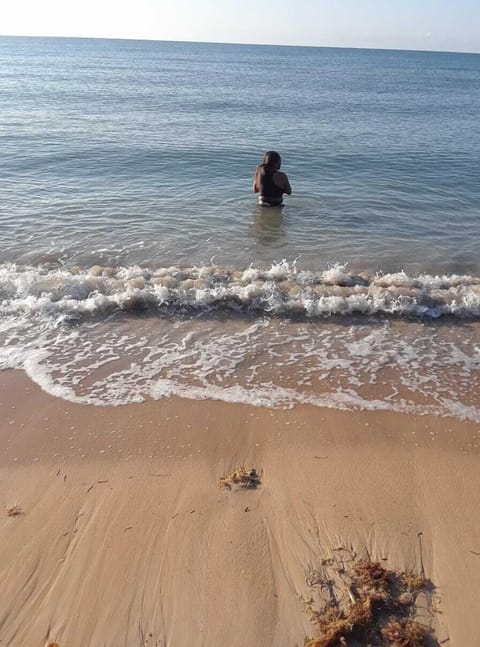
(365, 603)
(405, 632)
(241, 477)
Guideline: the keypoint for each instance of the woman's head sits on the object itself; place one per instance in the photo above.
(272, 161)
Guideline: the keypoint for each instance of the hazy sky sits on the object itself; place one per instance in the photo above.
(404, 24)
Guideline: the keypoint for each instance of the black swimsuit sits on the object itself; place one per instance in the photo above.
(270, 193)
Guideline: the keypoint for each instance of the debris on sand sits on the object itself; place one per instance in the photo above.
(362, 602)
(405, 632)
(241, 478)
(14, 511)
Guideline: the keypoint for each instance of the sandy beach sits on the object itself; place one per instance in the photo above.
(224, 424)
(114, 530)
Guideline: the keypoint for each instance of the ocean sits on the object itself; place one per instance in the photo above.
(136, 264)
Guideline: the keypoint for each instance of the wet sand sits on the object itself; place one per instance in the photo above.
(123, 536)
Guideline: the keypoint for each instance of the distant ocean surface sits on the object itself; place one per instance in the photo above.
(135, 262)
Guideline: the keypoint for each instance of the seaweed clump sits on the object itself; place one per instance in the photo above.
(365, 603)
(241, 477)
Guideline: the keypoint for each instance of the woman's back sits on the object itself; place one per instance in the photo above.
(270, 182)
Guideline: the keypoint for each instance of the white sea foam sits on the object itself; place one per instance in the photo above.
(76, 333)
(272, 363)
(281, 290)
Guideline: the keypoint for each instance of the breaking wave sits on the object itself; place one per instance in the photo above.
(331, 338)
(282, 290)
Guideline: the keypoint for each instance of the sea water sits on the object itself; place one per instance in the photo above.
(135, 262)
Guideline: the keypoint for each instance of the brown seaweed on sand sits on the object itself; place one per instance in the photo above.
(365, 603)
(241, 477)
(405, 632)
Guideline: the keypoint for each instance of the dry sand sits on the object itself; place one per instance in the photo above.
(123, 537)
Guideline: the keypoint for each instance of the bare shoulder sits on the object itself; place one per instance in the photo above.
(281, 180)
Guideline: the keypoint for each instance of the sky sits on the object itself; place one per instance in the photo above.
(452, 25)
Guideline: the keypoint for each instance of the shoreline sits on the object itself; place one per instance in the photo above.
(123, 531)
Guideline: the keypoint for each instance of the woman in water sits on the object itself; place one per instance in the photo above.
(270, 182)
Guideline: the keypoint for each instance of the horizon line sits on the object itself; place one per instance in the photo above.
(212, 42)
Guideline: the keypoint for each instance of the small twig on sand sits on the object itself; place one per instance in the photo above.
(14, 511)
(420, 548)
(77, 518)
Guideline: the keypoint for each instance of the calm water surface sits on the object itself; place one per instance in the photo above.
(137, 152)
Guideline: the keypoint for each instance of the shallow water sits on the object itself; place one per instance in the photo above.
(348, 363)
(134, 261)
(124, 152)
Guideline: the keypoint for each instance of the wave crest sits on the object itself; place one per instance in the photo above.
(281, 290)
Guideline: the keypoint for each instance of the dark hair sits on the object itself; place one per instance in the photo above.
(271, 162)
(270, 159)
